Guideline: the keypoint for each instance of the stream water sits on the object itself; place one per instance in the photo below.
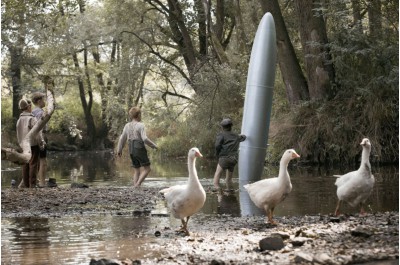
(75, 240)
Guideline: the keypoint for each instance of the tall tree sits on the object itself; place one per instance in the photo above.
(357, 16)
(241, 37)
(103, 90)
(375, 17)
(202, 30)
(13, 36)
(85, 94)
(15, 69)
(216, 30)
(319, 69)
(192, 48)
(295, 82)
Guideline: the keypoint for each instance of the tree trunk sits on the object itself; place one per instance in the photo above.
(375, 18)
(313, 37)
(103, 131)
(295, 82)
(141, 86)
(215, 40)
(241, 37)
(201, 20)
(181, 34)
(16, 49)
(124, 73)
(15, 69)
(220, 17)
(357, 17)
(90, 126)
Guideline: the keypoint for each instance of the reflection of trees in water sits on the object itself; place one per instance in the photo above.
(170, 167)
(228, 204)
(10, 171)
(385, 195)
(81, 166)
(128, 225)
(177, 167)
(28, 234)
(99, 164)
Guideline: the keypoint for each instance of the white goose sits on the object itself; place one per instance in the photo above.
(268, 193)
(355, 187)
(185, 200)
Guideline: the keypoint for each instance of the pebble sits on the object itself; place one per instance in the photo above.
(334, 219)
(283, 235)
(303, 257)
(271, 243)
(324, 258)
(103, 262)
(299, 241)
(217, 262)
(361, 231)
(76, 185)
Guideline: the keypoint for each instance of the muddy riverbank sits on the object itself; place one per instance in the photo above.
(221, 239)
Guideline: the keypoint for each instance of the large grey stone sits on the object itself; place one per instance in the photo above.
(271, 243)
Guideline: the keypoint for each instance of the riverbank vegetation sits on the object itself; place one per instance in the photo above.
(186, 62)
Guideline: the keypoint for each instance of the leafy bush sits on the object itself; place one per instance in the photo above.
(7, 123)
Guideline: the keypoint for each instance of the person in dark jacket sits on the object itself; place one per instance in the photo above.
(226, 147)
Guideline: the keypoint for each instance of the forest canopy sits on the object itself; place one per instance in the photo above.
(185, 63)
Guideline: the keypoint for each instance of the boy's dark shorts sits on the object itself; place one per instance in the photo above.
(138, 154)
(227, 162)
(43, 153)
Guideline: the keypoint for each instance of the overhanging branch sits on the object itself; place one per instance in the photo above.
(156, 53)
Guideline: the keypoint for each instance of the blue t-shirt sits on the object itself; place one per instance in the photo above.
(38, 113)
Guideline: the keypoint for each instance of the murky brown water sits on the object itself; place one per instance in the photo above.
(75, 240)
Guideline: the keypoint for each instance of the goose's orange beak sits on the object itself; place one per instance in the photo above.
(198, 154)
(295, 155)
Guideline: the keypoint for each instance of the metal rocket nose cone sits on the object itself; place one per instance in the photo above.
(263, 54)
(258, 101)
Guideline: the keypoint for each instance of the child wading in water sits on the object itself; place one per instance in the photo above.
(135, 133)
(226, 147)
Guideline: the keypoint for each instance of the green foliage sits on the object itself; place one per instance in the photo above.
(220, 95)
(7, 123)
(68, 117)
(366, 105)
(182, 139)
(280, 103)
(66, 112)
(330, 132)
